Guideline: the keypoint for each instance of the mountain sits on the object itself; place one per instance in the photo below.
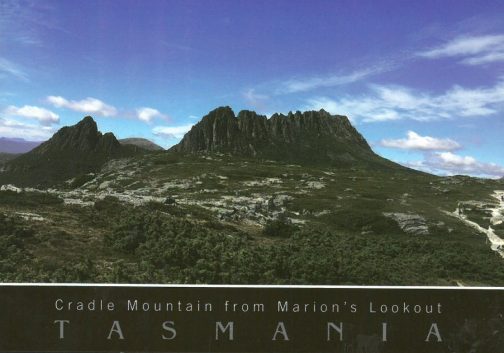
(72, 151)
(311, 137)
(142, 143)
(16, 145)
(237, 217)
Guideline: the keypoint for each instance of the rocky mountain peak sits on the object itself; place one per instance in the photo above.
(83, 137)
(309, 136)
(89, 122)
(72, 151)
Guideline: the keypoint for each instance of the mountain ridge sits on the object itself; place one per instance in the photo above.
(307, 138)
(310, 137)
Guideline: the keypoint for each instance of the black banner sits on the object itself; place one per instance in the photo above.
(249, 319)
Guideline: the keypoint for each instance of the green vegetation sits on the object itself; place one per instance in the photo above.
(28, 199)
(175, 218)
(5, 157)
(279, 228)
(122, 243)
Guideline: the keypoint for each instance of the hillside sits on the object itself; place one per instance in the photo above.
(5, 157)
(71, 152)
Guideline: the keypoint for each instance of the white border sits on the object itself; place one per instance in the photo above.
(238, 286)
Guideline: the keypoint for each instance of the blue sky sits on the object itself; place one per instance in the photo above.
(423, 81)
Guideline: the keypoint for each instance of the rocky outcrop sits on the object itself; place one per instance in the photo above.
(410, 223)
(308, 137)
(217, 131)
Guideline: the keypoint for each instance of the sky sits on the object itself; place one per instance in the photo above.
(423, 81)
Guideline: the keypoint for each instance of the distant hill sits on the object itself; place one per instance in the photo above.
(16, 145)
(72, 151)
(142, 143)
(311, 137)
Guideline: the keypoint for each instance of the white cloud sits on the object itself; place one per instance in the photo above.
(10, 68)
(354, 108)
(311, 83)
(330, 105)
(44, 116)
(449, 158)
(172, 132)
(474, 50)
(89, 105)
(385, 103)
(448, 163)
(256, 100)
(147, 114)
(15, 129)
(57, 101)
(253, 98)
(423, 143)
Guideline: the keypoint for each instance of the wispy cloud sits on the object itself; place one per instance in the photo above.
(88, 105)
(256, 100)
(354, 108)
(44, 116)
(147, 114)
(172, 132)
(27, 40)
(26, 22)
(386, 103)
(8, 67)
(473, 50)
(415, 141)
(331, 80)
(13, 128)
(269, 93)
(448, 163)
